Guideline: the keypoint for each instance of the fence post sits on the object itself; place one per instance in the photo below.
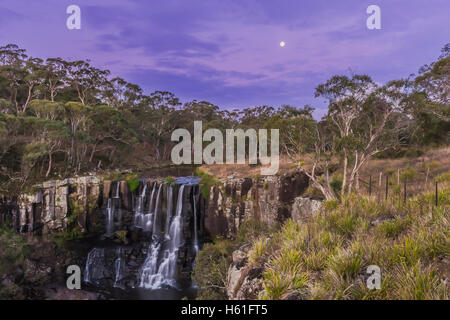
(436, 193)
(387, 184)
(404, 191)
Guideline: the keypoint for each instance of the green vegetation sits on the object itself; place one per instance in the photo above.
(132, 180)
(59, 118)
(13, 251)
(207, 182)
(212, 262)
(169, 180)
(327, 257)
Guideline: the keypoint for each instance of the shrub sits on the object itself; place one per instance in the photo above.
(132, 180)
(336, 182)
(392, 228)
(207, 181)
(418, 282)
(258, 250)
(211, 267)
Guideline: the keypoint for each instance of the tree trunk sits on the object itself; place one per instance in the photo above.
(49, 164)
(344, 173)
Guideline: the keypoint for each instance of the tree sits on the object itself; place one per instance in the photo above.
(56, 75)
(120, 94)
(86, 80)
(12, 60)
(360, 123)
(50, 137)
(46, 109)
(34, 76)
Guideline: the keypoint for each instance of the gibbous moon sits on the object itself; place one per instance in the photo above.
(282, 44)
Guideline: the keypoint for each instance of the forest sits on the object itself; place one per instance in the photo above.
(62, 118)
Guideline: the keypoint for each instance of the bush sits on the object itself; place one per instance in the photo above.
(211, 267)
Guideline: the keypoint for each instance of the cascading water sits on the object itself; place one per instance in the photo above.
(195, 224)
(156, 214)
(154, 276)
(94, 265)
(119, 267)
(147, 220)
(159, 223)
(113, 210)
(169, 210)
(139, 213)
(110, 217)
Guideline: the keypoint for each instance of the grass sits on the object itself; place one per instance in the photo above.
(212, 262)
(327, 256)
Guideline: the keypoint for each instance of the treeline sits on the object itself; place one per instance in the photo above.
(59, 118)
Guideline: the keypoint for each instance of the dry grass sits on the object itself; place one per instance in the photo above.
(327, 257)
(435, 162)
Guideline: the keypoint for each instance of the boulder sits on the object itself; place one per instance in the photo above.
(304, 207)
(244, 281)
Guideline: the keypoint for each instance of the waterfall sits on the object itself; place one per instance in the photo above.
(94, 265)
(162, 218)
(156, 215)
(169, 210)
(109, 217)
(119, 267)
(195, 224)
(113, 210)
(154, 276)
(140, 207)
(117, 193)
(148, 218)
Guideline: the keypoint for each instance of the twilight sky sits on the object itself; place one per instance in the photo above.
(227, 51)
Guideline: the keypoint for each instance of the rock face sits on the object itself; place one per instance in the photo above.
(304, 207)
(48, 209)
(244, 281)
(94, 206)
(268, 199)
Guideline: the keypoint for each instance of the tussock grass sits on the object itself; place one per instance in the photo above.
(327, 256)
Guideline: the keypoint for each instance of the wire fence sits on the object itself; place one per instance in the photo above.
(386, 187)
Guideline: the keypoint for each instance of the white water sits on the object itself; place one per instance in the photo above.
(163, 224)
(119, 266)
(156, 213)
(154, 276)
(169, 210)
(94, 265)
(109, 217)
(117, 193)
(195, 225)
(113, 210)
(139, 207)
(148, 218)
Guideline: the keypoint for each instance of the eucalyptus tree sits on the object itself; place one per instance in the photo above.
(34, 76)
(86, 80)
(56, 76)
(120, 94)
(12, 61)
(47, 109)
(48, 138)
(362, 121)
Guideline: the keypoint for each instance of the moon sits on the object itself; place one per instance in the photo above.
(282, 44)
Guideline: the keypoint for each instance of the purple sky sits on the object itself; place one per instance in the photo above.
(227, 51)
